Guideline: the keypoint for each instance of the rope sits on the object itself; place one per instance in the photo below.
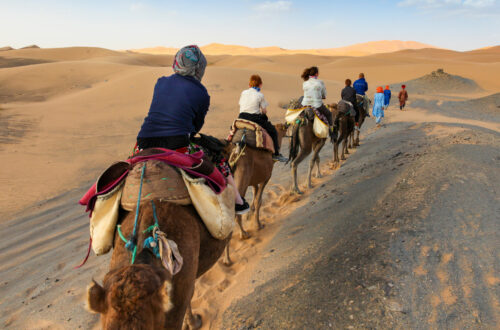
(237, 157)
(119, 228)
(86, 257)
(152, 241)
(131, 244)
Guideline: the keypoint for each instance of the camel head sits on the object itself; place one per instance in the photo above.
(281, 129)
(332, 106)
(132, 297)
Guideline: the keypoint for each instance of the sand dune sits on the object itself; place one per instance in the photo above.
(361, 49)
(83, 93)
(65, 114)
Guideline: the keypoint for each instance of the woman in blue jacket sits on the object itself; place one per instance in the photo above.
(180, 104)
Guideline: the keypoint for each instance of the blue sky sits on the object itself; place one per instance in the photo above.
(292, 24)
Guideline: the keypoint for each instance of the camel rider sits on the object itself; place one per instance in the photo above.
(178, 109)
(361, 86)
(315, 92)
(349, 94)
(253, 107)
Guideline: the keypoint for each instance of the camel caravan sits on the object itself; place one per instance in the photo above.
(168, 211)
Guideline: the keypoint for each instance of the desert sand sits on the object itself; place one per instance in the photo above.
(404, 232)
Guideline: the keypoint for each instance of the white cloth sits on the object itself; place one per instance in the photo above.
(314, 92)
(252, 101)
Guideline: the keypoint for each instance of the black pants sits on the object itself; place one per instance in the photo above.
(263, 121)
(327, 113)
(167, 142)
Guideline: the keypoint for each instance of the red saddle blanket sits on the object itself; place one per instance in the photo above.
(196, 164)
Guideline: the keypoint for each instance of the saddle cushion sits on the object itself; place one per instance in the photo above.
(161, 182)
(292, 115)
(255, 135)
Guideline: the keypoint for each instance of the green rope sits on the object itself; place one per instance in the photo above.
(133, 254)
(119, 227)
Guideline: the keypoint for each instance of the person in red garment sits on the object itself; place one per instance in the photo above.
(403, 97)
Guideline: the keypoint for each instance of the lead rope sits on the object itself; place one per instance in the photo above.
(131, 244)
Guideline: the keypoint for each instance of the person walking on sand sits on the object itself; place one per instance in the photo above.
(315, 92)
(253, 107)
(378, 105)
(403, 97)
(387, 97)
(177, 112)
(361, 87)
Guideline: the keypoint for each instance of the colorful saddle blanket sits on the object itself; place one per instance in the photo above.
(251, 134)
(195, 164)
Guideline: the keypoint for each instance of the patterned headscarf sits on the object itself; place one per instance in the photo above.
(190, 61)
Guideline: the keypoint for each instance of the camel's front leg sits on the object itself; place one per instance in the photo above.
(227, 258)
(243, 233)
(258, 203)
(191, 321)
(300, 157)
(309, 171)
(336, 152)
(317, 149)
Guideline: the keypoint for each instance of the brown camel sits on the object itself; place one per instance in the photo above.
(253, 168)
(145, 295)
(341, 133)
(354, 136)
(303, 142)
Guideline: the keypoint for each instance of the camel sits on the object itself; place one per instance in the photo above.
(303, 142)
(144, 295)
(341, 133)
(354, 141)
(253, 168)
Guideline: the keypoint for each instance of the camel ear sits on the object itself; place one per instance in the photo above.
(166, 296)
(96, 298)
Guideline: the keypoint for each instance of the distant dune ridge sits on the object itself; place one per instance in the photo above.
(362, 49)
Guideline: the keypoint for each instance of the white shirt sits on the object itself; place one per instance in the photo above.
(252, 101)
(314, 92)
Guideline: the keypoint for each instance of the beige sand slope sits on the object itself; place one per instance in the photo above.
(81, 108)
(65, 114)
(361, 49)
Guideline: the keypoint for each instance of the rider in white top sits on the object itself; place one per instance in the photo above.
(314, 92)
(253, 107)
(253, 101)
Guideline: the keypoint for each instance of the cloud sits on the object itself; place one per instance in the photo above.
(479, 3)
(455, 7)
(274, 6)
(136, 6)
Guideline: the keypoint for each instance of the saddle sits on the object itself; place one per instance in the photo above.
(251, 134)
(346, 108)
(161, 182)
(160, 175)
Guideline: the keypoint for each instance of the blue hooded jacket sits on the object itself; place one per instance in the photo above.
(361, 86)
(179, 106)
(387, 96)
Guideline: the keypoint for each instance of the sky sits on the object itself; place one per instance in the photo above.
(292, 24)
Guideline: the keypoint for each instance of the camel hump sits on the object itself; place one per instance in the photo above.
(164, 183)
(161, 182)
(251, 134)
